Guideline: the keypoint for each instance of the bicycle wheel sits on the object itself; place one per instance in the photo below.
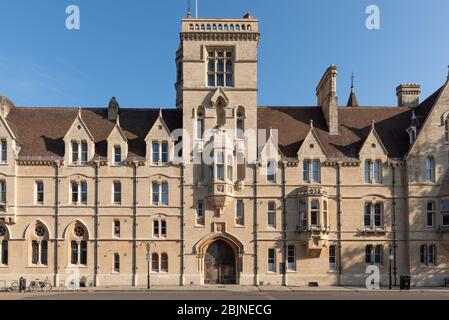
(47, 287)
(32, 287)
(14, 286)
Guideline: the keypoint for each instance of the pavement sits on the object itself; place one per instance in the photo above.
(193, 293)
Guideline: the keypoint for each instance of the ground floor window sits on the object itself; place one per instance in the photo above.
(271, 260)
(333, 258)
(291, 258)
(79, 252)
(4, 252)
(159, 264)
(374, 254)
(39, 252)
(428, 255)
(116, 263)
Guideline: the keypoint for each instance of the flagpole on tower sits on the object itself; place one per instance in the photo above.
(196, 9)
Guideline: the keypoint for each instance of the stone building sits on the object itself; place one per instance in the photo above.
(294, 194)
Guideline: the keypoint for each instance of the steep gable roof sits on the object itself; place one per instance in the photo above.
(355, 125)
(41, 130)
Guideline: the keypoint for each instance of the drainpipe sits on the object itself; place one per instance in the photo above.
(339, 242)
(394, 224)
(255, 226)
(284, 226)
(56, 257)
(182, 281)
(135, 164)
(97, 223)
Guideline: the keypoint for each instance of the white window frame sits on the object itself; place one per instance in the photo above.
(119, 154)
(430, 169)
(271, 170)
(119, 192)
(38, 192)
(160, 194)
(160, 144)
(271, 260)
(160, 229)
(291, 258)
(79, 192)
(80, 152)
(116, 228)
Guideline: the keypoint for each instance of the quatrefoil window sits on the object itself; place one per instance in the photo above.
(40, 231)
(79, 231)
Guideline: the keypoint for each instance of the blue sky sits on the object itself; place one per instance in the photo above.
(127, 49)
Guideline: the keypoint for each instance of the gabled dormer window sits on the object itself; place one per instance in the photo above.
(159, 152)
(373, 171)
(271, 170)
(79, 152)
(311, 171)
(4, 151)
(117, 155)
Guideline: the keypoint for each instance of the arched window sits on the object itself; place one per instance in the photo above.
(155, 262)
(240, 123)
(78, 245)
(164, 262)
(200, 123)
(430, 169)
(4, 237)
(39, 245)
(446, 128)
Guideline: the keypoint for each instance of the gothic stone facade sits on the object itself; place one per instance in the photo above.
(87, 189)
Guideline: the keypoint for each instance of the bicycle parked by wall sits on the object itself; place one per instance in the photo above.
(40, 285)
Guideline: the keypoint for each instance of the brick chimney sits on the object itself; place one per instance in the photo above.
(408, 95)
(326, 93)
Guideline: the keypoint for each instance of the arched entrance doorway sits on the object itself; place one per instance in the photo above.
(220, 264)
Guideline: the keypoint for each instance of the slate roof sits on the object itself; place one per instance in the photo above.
(40, 131)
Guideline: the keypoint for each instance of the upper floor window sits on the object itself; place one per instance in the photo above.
(4, 151)
(240, 124)
(446, 129)
(79, 192)
(159, 228)
(200, 123)
(220, 68)
(430, 169)
(3, 192)
(311, 171)
(39, 192)
(159, 152)
(445, 213)
(314, 213)
(373, 171)
(373, 215)
(117, 228)
(271, 170)
(200, 213)
(303, 214)
(79, 152)
(428, 255)
(220, 166)
(431, 211)
(272, 214)
(374, 254)
(117, 186)
(159, 193)
(117, 155)
(240, 213)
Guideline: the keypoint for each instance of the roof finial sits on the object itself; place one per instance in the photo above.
(311, 123)
(372, 125)
(189, 12)
(352, 82)
(79, 112)
(117, 122)
(160, 112)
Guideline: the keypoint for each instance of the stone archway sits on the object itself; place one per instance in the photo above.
(220, 264)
